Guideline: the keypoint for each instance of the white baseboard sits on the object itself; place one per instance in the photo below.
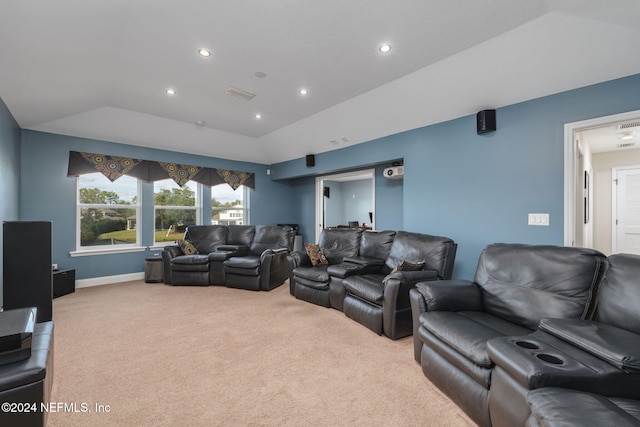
(106, 280)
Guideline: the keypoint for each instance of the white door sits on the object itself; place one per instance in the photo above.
(626, 210)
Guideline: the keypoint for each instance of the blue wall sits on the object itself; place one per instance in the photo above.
(48, 194)
(478, 189)
(10, 170)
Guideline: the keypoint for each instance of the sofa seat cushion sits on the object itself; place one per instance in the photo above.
(467, 332)
(368, 287)
(246, 266)
(314, 274)
(190, 263)
(562, 407)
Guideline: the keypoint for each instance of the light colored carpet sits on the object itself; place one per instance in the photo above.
(161, 355)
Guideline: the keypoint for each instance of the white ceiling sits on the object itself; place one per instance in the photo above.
(99, 69)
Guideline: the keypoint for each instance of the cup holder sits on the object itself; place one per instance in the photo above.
(528, 345)
(550, 359)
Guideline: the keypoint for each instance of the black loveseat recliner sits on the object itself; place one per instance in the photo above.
(600, 356)
(515, 286)
(360, 280)
(265, 246)
(265, 266)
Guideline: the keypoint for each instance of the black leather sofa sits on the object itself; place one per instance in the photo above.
(360, 277)
(254, 256)
(600, 356)
(29, 382)
(515, 286)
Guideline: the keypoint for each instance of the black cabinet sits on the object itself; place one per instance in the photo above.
(64, 282)
(27, 279)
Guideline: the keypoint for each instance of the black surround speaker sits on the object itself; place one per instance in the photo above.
(311, 160)
(27, 280)
(486, 121)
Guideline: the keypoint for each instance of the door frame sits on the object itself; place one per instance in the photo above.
(347, 176)
(571, 153)
(614, 203)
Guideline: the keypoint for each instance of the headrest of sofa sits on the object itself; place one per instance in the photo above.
(619, 295)
(206, 238)
(376, 244)
(272, 237)
(435, 251)
(240, 234)
(527, 283)
(339, 243)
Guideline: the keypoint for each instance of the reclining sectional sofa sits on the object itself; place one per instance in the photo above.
(368, 274)
(536, 319)
(252, 257)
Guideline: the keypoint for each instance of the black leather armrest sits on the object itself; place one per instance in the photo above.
(281, 252)
(237, 250)
(363, 260)
(451, 295)
(300, 259)
(618, 347)
(173, 251)
(412, 276)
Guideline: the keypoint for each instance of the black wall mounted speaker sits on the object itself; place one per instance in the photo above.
(486, 121)
(311, 160)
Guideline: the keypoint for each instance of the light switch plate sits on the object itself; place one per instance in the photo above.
(539, 219)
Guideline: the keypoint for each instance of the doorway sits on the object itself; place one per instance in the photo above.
(593, 149)
(626, 210)
(350, 200)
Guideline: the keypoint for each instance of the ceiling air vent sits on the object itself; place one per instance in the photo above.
(629, 125)
(239, 93)
(626, 145)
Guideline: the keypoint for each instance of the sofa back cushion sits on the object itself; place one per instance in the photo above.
(339, 243)
(376, 244)
(206, 238)
(437, 252)
(240, 234)
(619, 294)
(527, 283)
(272, 237)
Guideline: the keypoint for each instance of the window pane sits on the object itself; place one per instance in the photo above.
(227, 205)
(108, 211)
(168, 193)
(95, 188)
(99, 226)
(171, 223)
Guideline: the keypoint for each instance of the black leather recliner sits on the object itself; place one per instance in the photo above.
(380, 299)
(310, 283)
(601, 356)
(515, 286)
(265, 266)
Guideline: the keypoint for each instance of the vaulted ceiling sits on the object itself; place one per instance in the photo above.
(100, 69)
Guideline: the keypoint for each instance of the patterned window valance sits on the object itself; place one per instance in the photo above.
(113, 167)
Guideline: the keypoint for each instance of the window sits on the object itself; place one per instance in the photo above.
(228, 206)
(107, 212)
(175, 208)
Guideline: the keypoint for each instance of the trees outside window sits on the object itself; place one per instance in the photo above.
(107, 211)
(175, 208)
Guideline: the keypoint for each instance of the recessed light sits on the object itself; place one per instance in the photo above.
(170, 91)
(204, 53)
(385, 48)
(200, 123)
(626, 135)
(260, 74)
(258, 116)
(303, 92)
